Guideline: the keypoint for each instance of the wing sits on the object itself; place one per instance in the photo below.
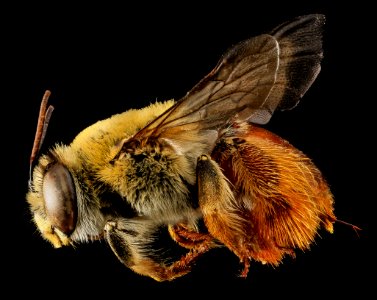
(251, 80)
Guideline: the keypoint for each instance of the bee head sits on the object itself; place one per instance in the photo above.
(53, 201)
(64, 205)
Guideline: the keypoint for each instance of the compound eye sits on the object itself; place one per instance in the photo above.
(60, 198)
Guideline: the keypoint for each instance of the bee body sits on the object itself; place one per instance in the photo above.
(202, 168)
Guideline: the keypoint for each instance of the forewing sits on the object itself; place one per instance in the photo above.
(241, 81)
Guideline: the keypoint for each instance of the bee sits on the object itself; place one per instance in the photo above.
(202, 170)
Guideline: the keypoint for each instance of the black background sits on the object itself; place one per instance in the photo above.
(100, 60)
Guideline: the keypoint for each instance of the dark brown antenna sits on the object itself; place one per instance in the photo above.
(43, 119)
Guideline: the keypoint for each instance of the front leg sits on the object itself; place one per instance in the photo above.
(132, 242)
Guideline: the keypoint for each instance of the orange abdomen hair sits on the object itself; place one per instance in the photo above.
(281, 196)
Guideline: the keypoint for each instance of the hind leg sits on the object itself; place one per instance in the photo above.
(222, 215)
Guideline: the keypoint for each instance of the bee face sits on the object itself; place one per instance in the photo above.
(47, 213)
(62, 211)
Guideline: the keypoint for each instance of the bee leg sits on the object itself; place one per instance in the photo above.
(222, 214)
(132, 242)
(188, 237)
